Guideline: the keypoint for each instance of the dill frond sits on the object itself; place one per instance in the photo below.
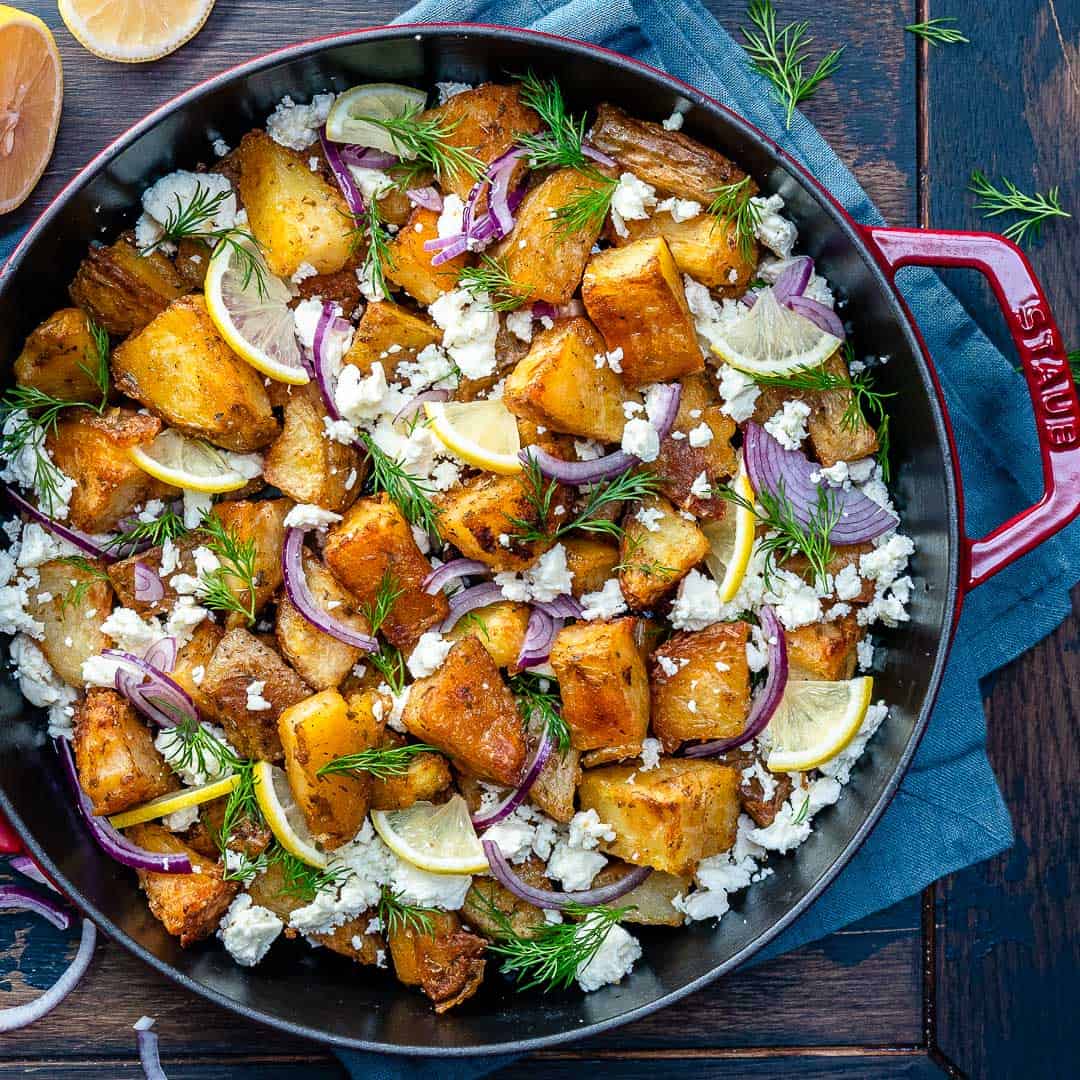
(537, 703)
(379, 761)
(937, 32)
(1033, 210)
(423, 142)
(491, 278)
(412, 496)
(236, 577)
(396, 915)
(733, 202)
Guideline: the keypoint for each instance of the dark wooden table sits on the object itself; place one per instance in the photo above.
(975, 977)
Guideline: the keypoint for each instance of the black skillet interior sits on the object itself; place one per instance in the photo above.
(312, 992)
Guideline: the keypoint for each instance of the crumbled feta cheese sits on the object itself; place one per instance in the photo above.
(587, 830)
(372, 183)
(650, 754)
(415, 886)
(513, 836)
(450, 221)
(574, 867)
(303, 272)
(738, 393)
(788, 426)
(612, 359)
(309, 516)
(192, 771)
(130, 631)
(588, 449)
(181, 820)
(519, 323)
(679, 209)
(197, 505)
(172, 193)
(361, 397)
(650, 517)
(847, 583)
(255, 701)
(888, 561)
(702, 435)
(41, 686)
(864, 651)
(220, 147)
(615, 958)
(701, 487)
(548, 578)
(297, 126)
(22, 468)
(675, 121)
(605, 604)
(797, 602)
(772, 228)
(641, 439)
(470, 327)
(429, 653)
(710, 317)
(697, 603)
(247, 930)
(632, 200)
(449, 89)
(719, 875)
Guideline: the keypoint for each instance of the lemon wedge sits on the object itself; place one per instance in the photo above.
(371, 101)
(250, 308)
(175, 800)
(193, 464)
(771, 340)
(439, 839)
(482, 433)
(283, 815)
(731, 540)
(134, 31)
(815, 721)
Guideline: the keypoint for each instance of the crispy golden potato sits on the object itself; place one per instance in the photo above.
(262, 523)
(180, 368)
(409, 265)
(374, 542)
(486, 893)
(670, 817)
(605, 691)
(239, 660)
(707, 696)
(651, 902)
(92, 450)
(842, 555)
(555, 788)
(342, 287)
(122, 575)
(351, 939)
(191, 663)
(761, 807)
(118, 764)
(122, 290)
(591, 560)
(246, 835)
(315, 732)
(499, 627)
(189, 906)
(426, 777)
(672, 162)
(560, 386)
(61, 358)
(466, 711)
(270, 890)
(654, 560)
(824, 650)
(544, 258)
(305, 464)
(389, 334)
(294, 214)
(447, 964)
(831, 437)
(635, 296)
(71, 631)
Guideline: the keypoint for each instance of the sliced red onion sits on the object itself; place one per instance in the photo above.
(771, 467)
(793, 279)
(365, 157)
(578, 473)
(28, 868)
(408, 411)
(20, 1016)
(597, 155)
(451, 571)
(499, 173)
(292, 567)
(353, 199)
(148, 586)
(83, 542)
(151, 691)
(426, 197)
(824, 318)
(539, 637)
(512, 801)
(329, 327)
(477, 596)
(162, 654)
(665, 399)
(562, 607)
(22, 898)
(149, 1053)
(549, 899)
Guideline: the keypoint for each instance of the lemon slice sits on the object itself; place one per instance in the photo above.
(194, 465)
(350, 118)
(731, 540)
(133, 31)
(483, 433)
(250, 308)
(771, 340)
(175, 800)
(815, 721)
(283, 815)
(439, 839)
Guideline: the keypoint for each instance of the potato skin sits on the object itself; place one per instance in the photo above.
(653, 561)
(59, 356)
(831, 439)
(342, 938)
(592, 561)
(447, 964)
(409, 265)
(555, 788)
(194, 655)
(824, 650)
(700, 701)
(263, 522)
(487, 893)
(384, 325)
(604, 686)
(118, 764)
(499, 627)
(651, 902)
(670, 817)
(466, 711)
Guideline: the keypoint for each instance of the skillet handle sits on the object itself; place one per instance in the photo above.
(1050, 383)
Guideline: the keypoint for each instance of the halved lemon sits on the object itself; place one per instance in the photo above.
(134, 31)
(440, 839)
(284, 816)
(483, 433)
(175, 800)
(350, 117)
(815, 721)
(31, 97)
(250, 308)
(731, 540)
(771, 340)
(193, 464)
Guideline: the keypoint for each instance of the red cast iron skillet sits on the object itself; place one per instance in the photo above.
(313, 993)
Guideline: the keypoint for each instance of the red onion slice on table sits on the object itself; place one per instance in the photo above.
(452, 571)
(149, 1052)
(22, 898)
(476, 596)
(80, 540)
(504, 809)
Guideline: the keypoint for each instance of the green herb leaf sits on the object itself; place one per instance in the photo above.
(491, 278)
(389, 663)
(303, 882)
(237, 558)
(380, 761)
(412, 496)
(938, 32)
(800, 817)
(385, 597)
(536, 701)
(77, 593)
(422, 145)
(167, 526)
(733, 202)
(396, 915)
(1033, 210)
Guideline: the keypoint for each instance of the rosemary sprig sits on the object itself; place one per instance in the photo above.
(1034, 210)
(396, 915)
(734, 203)
(385, 597)
(535, 701)
(303, 882)
(938, 32)
(780, 56)
(379, 761)
(412, 496)
(75, 596)
(390, 664)
(168, 526)
(238, 562)
(491, 278)
(421, 142)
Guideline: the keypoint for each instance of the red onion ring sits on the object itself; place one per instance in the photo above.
(365, 157)
(480, 231)
(162, 654)
(667, 398)
(409, 410)
(330, 324)
(28, 868)
(292, 567)
(22, 898)
(577, 473)
(539, 637)
(597, 155)
(768, 698)
(80, 540)
(512, 801)
(148, 586)
(824, 318)
(451, 571)
(426, 197)
(476, 596)
(499, 173)
(155, 695)
(149, 1053)
(793, 279)
(562, 607)
(353, 199)
(549, 899)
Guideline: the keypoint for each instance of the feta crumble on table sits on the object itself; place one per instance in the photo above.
(247, 930)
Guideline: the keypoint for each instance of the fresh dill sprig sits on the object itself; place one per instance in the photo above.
(734, 203)
(491, 277)
(534, 701)
(385, 597)
(412, 496)
(390, 664)
(240, 804)
(396, 915)
(588, 209)
(304, 882)
(78, 592)
(938, 32)
(781, 55)
(238, 562)
(800, 817)
(421, 143)
(1034, 210)
(652, 567)
(99, 373)
(379, 761)
(474, 618)
(199, 750)
(371, 229)
(169, 525)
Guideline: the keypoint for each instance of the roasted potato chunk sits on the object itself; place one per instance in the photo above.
(315, 732)
(351, 939)
(294, 214)
(591, 561)
(560, 385)
(447, 964)
(653, 560)
(701, 685)
(118, 764)
(373, 543)
(409, 265)
(466, 711)
(555, 788)
(240, 660)
(122, 290)
(180, 368)
(304, 463)
(92, 450)
(389, 334)
(832, 436)
(122, 575)
(824, 650)
(486, 893)
(500, 628)
(670, 817)
(635, 296)
(762, 792)
(270, 890)
(61, 358)
(605, 690)
(427, 776)
(651, 902)
(189, 906)
(842, 555)
(191, 663)
(261, 523)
